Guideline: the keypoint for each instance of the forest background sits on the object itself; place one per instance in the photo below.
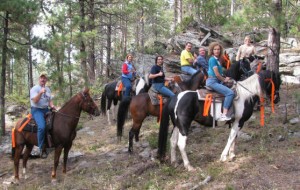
(84, 40)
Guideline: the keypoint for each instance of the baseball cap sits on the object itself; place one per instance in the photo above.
(43, 74)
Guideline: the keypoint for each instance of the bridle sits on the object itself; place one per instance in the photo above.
(81, 102)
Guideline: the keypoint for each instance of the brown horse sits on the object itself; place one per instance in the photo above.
(63, 132)
(140, 107)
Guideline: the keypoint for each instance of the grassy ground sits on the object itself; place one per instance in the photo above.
(269, 160)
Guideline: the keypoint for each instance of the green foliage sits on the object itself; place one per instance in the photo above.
(18, 99)
(152, 139)
(184, 24)
(297, 97)
(155, 50)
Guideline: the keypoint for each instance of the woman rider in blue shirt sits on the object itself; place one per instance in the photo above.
(215, 79)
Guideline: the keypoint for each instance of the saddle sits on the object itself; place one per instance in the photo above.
(155, 97)
(216, 99)
(29, 125)
(119, 87)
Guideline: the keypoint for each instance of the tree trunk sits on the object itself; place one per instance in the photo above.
(91, 56)
(109, 35)
(69, 55)
(3, 72)
(273, 51)
(175, 14)
(8, 75)
(180, 15)
(232, 7)
(30, 78)
(142, 31)
(274, 38)
(82, 44)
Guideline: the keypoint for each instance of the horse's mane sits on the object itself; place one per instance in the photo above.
(233, 71)
(191, 80)
(251, 86)
(68, 102)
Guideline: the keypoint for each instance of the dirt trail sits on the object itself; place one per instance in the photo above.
(263, 162)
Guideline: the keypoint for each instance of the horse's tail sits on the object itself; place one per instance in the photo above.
(103, 101)
(122, 114)
(163, 131)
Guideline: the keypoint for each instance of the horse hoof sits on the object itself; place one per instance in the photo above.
(231, 157)
(12, 180)
(54, 181)
(190, 168)
(223, 159)
(174, 164)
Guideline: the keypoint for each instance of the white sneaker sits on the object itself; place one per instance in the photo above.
(224, 118)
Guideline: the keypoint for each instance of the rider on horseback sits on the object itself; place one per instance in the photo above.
(244, 53)
(128, 72)
(216, 80)
(158, 77)
(40, 99)
(187, 59)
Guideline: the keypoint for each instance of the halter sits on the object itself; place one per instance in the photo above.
(81, 102)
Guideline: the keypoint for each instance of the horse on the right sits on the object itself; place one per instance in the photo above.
(187, 106)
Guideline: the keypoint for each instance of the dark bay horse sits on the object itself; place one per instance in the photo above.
(186, 107)
(63, 132)
(140, 107)
(110, 95)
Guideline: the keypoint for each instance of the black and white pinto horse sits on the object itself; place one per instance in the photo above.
(110, 95)
(186, 107)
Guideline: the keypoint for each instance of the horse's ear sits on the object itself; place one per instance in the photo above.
(86, 90)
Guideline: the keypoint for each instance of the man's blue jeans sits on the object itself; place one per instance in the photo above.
(127, 84)
(215, 84)
(188, 69)
(39, 116)
(160, 87)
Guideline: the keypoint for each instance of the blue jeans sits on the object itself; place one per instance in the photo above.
(215, 84)
(127, 84)
(188, 69)
(160, 87)
(39, 116)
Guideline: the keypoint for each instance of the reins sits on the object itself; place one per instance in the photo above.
(72, 116)
(262, 108)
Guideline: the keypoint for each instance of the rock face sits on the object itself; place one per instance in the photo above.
(201, 36)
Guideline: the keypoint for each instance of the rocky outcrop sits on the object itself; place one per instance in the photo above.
(201, 36)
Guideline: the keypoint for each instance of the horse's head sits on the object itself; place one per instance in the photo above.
(271, 83)
(87, 103)
(199, 78)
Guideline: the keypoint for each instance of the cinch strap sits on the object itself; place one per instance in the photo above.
(207, 103)
(262, 112)
(160, 108)
(272, 94)
(120, 88)
(29, 116)
(13, 138)
(258, 67)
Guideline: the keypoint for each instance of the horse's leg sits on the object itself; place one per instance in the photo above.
(182, 144)
(174, 140)
(131, 135)
(134, 132)
(56, 160)
(25, 158)
(137, 133)
(66, 153)
(231, 139)
(107, 111)
(115, 103)
(18, 152)
(231, 150)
